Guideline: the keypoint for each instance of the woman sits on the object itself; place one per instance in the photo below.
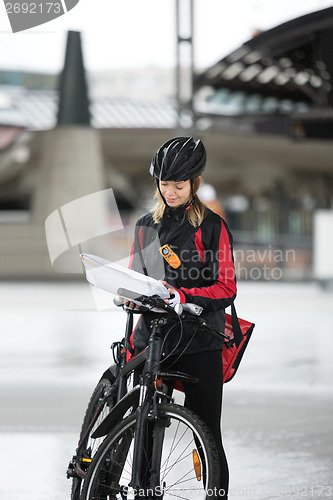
(201, 271)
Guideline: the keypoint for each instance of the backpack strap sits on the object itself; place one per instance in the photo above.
(238, 336)
(142, 263)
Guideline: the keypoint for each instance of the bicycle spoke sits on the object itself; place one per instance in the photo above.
(176, 445)
(178, 459)
(172, 444)
(112, 471)
(184, 480)
(167, 470)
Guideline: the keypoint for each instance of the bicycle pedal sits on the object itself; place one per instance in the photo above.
(71, 471)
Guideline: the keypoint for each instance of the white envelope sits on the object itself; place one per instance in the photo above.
(117, 279)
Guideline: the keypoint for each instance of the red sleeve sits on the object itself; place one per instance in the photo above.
(222, 290)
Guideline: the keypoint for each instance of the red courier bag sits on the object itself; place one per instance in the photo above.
(240, 331)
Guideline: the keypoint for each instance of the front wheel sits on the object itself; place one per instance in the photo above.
(189, 466)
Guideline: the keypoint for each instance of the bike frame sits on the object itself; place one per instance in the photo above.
(150, 355)
(146, 398)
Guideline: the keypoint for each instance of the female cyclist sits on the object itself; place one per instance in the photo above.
(189, 248)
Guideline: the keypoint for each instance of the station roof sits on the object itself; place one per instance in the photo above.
(291, 62)
(284, 73)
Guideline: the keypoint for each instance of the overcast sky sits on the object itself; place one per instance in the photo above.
(137, 33)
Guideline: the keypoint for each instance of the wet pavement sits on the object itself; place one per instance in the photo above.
(277, 416)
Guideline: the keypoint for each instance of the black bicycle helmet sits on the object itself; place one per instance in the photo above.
(179, 159)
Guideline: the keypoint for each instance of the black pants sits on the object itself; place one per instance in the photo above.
(205, 398)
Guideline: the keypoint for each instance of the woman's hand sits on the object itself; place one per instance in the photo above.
(172, 291)
(128, 303)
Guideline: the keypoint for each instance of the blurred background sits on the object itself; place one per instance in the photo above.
(84, 109)
(85, 101)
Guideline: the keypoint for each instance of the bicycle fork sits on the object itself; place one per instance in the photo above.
(147, 454)
(149, 429)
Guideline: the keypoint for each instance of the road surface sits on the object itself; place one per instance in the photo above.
(277, 416)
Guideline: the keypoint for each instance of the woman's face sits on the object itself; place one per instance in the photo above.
(175, 193)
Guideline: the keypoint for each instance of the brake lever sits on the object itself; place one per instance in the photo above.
(158, 302)
(194, 313)
(210, 327)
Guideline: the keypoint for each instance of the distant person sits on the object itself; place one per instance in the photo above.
(207, 194)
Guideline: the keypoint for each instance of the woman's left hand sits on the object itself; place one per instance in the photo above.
(172, 291)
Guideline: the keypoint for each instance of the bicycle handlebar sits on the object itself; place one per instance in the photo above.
(118, 302)
(183, 311)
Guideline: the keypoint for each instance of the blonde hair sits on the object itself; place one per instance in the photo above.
(195, 214)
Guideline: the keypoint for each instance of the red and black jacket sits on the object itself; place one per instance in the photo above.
(205, 277)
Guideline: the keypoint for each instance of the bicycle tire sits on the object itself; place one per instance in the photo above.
(110, 472)
(100, 403)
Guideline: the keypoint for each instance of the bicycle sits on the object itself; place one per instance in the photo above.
(153, 447)
(110, 389)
